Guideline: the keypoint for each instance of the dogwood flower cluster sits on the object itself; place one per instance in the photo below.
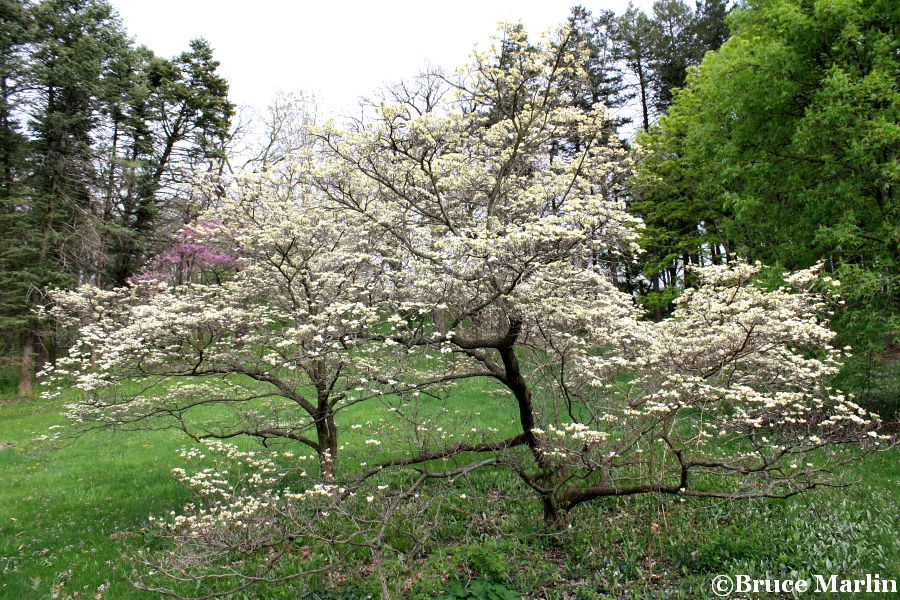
(735, 383)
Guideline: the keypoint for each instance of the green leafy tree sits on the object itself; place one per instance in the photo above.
(783, 148)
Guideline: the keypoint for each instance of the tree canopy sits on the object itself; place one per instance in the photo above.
(440, 243)
(783, 148)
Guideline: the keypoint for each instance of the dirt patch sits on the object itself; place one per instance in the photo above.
(5, 445)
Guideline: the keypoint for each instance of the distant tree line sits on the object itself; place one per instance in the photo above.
(98, 138)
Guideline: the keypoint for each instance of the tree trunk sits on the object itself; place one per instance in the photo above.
(52, 350)
(657, 311)
(327, 434)
(26, 378)
(642, 80)
(516, 384)
(552, 515)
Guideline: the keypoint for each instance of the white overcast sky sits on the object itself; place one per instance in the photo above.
(338, 49)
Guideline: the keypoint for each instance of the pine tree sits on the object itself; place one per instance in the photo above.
(710, 26)
(111, 133)
(71, 44)
(635, 34)
(606, 85)
(15, 37)
(180, 123)
(674, 48)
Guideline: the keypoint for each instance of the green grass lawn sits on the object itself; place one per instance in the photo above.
(69, 519)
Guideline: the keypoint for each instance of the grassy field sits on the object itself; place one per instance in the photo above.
(70, 518)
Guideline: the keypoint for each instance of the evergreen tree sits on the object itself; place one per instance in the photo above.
(73, 41)
(635, 34)
(710, 25)
(15, 38)
(675, 47)
(97, 138)
(181, 122)
(658, 50)
(603, 62)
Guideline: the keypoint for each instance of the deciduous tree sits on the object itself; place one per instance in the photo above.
(451, 241)
(782, 149)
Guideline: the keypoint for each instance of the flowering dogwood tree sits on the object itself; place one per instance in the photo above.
(465, 232)
(274, 342)
(499, 222)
